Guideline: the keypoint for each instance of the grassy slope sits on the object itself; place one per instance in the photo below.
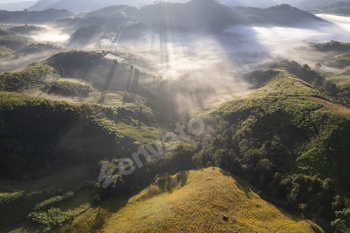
(41, 114)
(21, 197)
(185, 208)
(59, 122)
(285, 108)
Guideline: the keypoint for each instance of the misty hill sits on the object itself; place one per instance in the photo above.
(337, 8)
(33, 16)
(196, 15)
(342, 8)
(15, 43)
(249, 3)
(18, 6)
(106, 11)
(79, 6)
(309, 4)
(277, 129)
(286, 138)
(213, 16)
(89, 5)
(317, 5)
(42, 5)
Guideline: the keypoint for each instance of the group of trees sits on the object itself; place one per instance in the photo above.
(133, 80)
(40, 136)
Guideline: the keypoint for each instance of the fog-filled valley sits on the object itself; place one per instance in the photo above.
(184, 116)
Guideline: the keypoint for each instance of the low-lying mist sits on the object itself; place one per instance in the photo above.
(191, 63)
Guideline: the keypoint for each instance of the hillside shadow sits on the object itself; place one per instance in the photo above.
(241, 184)
(182, 177)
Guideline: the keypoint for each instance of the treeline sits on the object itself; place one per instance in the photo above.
(39, 136)
(33, 16)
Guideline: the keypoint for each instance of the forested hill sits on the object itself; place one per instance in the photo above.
(33, 16)
(212, 14)
(205, 15)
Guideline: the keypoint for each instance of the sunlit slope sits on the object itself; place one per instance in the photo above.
(284, 109)
(87, 76)
(195, 201)
(286, 138)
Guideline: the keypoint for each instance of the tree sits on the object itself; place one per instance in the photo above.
(342, 223)
(318, 66)
(61, 71)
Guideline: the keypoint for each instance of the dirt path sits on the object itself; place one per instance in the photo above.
(333, 107)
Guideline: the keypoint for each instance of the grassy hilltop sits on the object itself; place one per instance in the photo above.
(180, 203)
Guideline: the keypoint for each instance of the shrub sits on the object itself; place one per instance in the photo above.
(51, 218)
(46, 204)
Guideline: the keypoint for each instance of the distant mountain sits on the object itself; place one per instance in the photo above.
(327, 6)
(42, 5)
(210, 15)
(33, 16)
(337, 8)
(90, 5)
(78, 6)
(18, 6)
(290, 2)
(251, 3)
(107, 11)
(314, 4)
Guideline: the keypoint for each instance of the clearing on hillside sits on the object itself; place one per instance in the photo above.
(194, 201)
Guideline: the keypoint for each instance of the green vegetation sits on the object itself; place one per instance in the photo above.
(288, 139)
(281, 139)
(342, 61)
(33, 16)
(69, 88)
(54, 200)
(25, 29)
(86, 34)
(27, 79)
(51, 218)
(179, 203)
(328, 7)
(5, 52)
(14, 43)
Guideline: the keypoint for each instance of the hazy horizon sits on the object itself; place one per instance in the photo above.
(101, 4)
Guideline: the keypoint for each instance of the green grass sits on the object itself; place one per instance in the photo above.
(281, 103)
(66, 87)
(5, 52)
(339, 80)
(29, 78)
(141, 134)
(284, 128)
(195, 202)
(18, 199)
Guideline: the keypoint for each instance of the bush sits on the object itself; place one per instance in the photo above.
(52, 218)
(46, 204)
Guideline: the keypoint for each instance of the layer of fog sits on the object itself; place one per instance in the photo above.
(261, 46)
(51, 34)
(20, 62)
(192, 61)
(197, 63)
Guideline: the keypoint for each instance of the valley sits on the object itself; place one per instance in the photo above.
(82, 89)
